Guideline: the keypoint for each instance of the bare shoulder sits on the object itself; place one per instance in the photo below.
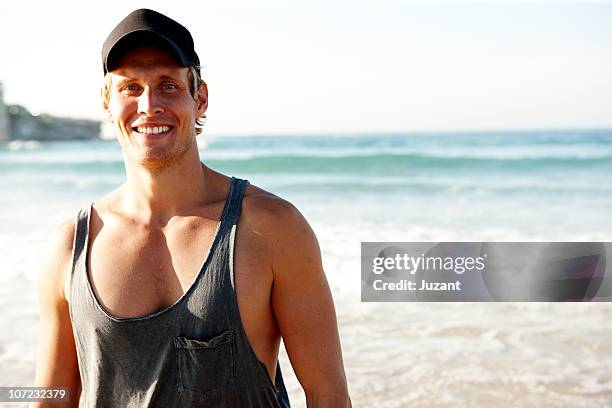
(271, 214)
(57, 260)
(283, 230)
(62, 241)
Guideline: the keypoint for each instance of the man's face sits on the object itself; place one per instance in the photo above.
(152, 108)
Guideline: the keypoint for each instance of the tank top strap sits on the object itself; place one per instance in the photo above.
(227, 228)
(81, 236)
(235, 202)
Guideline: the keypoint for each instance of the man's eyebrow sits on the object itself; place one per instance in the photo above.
(171, 78)
(123, 81)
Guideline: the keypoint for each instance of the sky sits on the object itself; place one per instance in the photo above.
(280, 67)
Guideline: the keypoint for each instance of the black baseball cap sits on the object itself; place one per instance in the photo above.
(149, 26)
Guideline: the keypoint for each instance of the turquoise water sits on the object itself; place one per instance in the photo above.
(547, 184)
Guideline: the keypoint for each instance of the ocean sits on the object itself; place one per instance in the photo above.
(455, 186)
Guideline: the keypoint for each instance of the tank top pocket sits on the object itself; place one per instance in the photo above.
(204, 365)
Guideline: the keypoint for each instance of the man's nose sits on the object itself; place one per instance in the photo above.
(149, 103)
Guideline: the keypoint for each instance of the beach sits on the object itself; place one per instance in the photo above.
(416, 187)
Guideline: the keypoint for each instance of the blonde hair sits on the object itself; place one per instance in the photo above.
(193, 77)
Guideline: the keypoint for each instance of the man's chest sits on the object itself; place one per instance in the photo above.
(138, 271)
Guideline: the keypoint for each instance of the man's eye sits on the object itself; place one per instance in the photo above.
(131, 88)
(169, 86)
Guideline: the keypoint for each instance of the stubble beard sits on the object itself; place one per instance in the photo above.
(167, 160)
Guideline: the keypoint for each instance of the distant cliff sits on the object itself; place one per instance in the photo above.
(17, 123)
(25, 126)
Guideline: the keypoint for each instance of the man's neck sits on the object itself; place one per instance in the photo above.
(155, 196)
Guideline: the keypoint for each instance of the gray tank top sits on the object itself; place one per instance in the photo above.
(194, 353)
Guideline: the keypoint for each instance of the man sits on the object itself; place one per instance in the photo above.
(175, 289)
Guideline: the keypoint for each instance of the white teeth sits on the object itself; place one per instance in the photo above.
(153, 130)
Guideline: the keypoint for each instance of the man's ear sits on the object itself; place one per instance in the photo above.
(109, 117)
(202, 99)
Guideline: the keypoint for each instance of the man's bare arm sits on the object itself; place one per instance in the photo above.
(57, 364)
(305, 312)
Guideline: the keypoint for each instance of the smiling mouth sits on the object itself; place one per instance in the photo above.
(152, 130)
